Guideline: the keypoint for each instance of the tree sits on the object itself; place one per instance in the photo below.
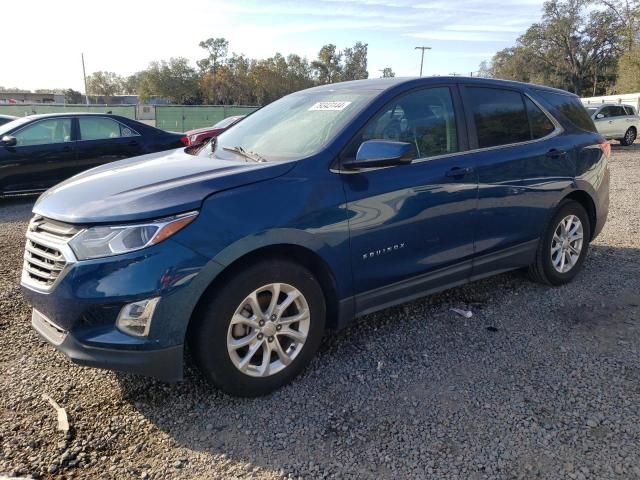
(573, 47)
(217, 49)
(355, 62)
(73, 96)
(327, 68)
(387, 73)
(484, 70)
(130, 84)
(629, 71)
(14, 90)
(627, 14)
(174, 80)
(106, 84)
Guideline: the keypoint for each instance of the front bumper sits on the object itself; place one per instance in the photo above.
(78, 314)
(164, 363)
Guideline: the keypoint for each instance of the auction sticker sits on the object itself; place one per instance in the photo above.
(337, 106)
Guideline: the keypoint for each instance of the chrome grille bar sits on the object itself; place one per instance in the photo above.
(46, 252)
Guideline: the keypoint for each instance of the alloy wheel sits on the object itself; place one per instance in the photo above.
(268, 330)
(566, 244)
(630, 136)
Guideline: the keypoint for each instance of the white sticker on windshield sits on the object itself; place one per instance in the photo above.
(329, 106)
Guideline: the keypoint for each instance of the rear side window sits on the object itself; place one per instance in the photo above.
(499, 116)
(571, 108)
(628, 110)
(541, 126)
(100, 128)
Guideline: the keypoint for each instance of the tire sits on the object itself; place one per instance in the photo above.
(629, 137)
(214, 340)
(548, 267)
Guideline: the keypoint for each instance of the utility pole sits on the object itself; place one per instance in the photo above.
(84, 74)
(422, 56)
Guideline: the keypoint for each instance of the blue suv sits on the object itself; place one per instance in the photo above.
(328, 204)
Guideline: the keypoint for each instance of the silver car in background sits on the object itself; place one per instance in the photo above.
(616, 122)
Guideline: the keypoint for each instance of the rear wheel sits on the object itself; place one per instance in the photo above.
(563, 247)
(629, 137)
(260, 330)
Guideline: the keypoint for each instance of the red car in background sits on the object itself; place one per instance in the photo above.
(199, 136)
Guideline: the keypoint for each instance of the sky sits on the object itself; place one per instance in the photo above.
(123, 36)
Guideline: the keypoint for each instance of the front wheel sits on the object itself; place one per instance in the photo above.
(563, 246)
(629, 137)
(260, 329)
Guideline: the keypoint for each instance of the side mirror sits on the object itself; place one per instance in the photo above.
(381, 153)
(8, 141)
(599, 116)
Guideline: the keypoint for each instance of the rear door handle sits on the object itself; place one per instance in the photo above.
(133, 143)
(459, 172)
(553, 153)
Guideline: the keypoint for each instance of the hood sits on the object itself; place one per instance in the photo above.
(149, 186)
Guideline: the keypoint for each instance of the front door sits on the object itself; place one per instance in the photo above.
(411, 226)
(606, 125)
(44, 151)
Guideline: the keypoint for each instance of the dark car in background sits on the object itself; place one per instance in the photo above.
(200, 136)
(325, 205)
(6, 119)
(38, 151)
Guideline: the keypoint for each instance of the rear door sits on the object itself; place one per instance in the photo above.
(512, 138)
(103, 140)
(44, 152)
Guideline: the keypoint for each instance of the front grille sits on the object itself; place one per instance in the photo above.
(44, 258)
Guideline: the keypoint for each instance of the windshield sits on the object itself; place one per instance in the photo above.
(592, 110)
(296, 126)
(7, 127)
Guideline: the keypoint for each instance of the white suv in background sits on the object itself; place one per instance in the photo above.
(615, 121)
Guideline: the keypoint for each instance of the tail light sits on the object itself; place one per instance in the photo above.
(185, 141)
(605, 146)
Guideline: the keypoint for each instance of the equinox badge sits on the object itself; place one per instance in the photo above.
(382, 251)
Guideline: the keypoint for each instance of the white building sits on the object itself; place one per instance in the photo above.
(632, 99)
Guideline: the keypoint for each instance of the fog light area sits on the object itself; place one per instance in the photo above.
(135, 318)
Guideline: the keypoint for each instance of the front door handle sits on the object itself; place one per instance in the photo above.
(133, 143)
(553, 153)
(459, 172)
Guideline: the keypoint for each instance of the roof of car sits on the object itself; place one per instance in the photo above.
(66, 114)
(387, 83)
(598, 105)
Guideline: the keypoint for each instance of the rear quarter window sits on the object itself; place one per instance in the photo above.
(570, 107)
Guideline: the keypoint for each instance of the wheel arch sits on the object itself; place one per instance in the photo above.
(299, 254)
(584, 199)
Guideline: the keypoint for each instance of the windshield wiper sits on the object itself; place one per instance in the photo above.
(241, 151)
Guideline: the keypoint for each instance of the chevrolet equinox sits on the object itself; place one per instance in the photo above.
(323, 206)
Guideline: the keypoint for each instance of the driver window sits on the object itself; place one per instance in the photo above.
(55, 130)
(424, 118)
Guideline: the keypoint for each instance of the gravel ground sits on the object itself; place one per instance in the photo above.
(539, 383)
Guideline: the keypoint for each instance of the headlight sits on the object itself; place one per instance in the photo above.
(104, 241)
(192, 139)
